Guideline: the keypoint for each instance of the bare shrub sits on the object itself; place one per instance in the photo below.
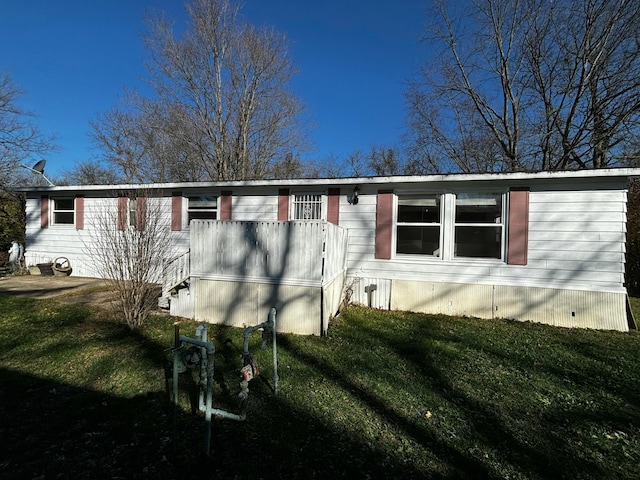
(128, 240)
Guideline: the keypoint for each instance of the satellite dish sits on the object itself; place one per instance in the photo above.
(39, 167)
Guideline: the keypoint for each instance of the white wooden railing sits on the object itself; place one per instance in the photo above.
(297, 252)
(175, 271)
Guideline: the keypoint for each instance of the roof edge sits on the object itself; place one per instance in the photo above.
(439, 178)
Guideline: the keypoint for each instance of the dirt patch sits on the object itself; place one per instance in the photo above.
(80, 290)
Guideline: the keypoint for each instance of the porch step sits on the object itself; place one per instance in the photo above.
(171, 292)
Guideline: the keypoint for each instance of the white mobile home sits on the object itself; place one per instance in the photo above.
(544, 247)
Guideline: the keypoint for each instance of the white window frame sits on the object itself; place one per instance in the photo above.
(437, 253)
(187, 210)
(55, 210)
(501, 224)
(448, 226)
(321, 203)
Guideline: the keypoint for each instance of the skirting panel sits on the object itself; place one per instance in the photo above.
(446, 298)
(564, 308)
(243, 304)
(371, 292)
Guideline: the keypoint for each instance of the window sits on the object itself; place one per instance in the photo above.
(63, 211)
(478, 225)
(132, 211)
(307, 207)
(451, 225)
(202, 207)
(418, 225)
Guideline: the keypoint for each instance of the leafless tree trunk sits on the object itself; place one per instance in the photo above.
(222, 108)
(473, 93)
(533, 85)
(230, 81)
(128, 245)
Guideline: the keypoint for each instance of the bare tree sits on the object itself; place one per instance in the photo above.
(90, 172)
(128, 242)
(222, 108)
(385, 161)
(117, 132)
(533, 85)
(19, 137)
(584, 63)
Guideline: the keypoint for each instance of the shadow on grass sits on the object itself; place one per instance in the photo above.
(542, 442)
(50, 429)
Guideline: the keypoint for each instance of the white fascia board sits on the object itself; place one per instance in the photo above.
(347, 181)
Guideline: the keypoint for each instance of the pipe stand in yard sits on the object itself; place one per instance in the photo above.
(182, 359)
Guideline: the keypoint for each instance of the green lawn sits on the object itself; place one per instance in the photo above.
(385, 395)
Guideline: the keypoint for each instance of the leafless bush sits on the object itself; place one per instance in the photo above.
(128, 240)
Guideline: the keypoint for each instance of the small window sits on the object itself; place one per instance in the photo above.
(63, 211)
(418, 225)
(132, 211)
(479, 225)
(203, 207)
(307, 207)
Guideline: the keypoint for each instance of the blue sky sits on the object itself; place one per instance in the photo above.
(74, 57)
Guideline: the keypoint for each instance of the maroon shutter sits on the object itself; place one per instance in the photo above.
(44, 211)
(141, 213)
(333, 206)
(80, 212)
(225, 205)
(283, 204)
(123, 203)
(518, 237)
(176, 211)
(384, 225)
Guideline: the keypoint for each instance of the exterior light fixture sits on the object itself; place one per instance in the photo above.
(354, 200)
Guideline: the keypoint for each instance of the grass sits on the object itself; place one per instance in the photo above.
(385, 395)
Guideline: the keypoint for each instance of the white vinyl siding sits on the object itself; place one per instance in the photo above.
(260, 205)
(576, 237)
(45, 245)
(576, 240)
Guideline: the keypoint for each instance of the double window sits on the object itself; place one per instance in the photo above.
(451, 225)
